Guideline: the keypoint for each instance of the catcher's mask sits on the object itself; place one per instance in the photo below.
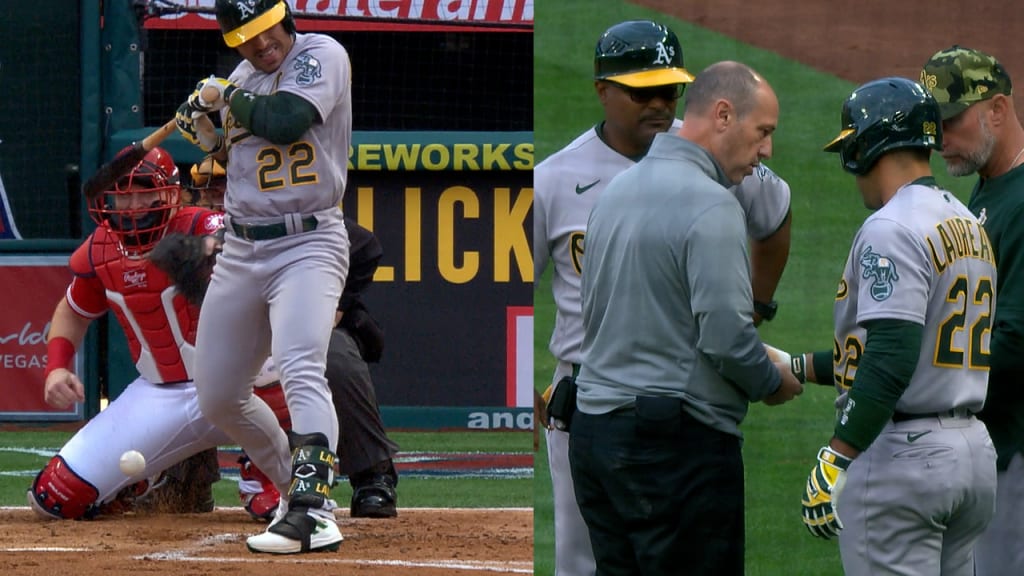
(209, 181)
(885, 115)
(243, 20)
(139, 208)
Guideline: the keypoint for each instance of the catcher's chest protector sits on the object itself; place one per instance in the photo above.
(159, 324)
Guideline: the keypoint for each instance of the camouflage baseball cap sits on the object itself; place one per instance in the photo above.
(959, 77)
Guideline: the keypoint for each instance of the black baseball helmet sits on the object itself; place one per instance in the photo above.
(884, 115)
(640, 53)
(243, 20)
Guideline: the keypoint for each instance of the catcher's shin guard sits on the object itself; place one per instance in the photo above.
(257, 493)
(58, 492)
(305, 523)
(273, 395)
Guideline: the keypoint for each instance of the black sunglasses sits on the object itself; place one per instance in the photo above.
(667, 92)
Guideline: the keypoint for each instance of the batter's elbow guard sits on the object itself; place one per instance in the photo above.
(59, 493)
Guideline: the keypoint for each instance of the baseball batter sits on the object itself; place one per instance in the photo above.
(908, 480)
(287, 117)
(567, 183)
(158, 413)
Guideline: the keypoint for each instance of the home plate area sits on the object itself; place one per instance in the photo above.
(419, 542)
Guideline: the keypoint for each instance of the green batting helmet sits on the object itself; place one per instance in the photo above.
(885, 115)
(640, 53)
(243, 20)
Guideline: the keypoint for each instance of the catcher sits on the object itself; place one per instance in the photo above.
(158, 413)
(366, 451)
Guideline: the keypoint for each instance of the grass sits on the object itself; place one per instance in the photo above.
(780, 443)
(412, 492)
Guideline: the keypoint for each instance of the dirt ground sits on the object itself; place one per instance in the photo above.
(419, 542)
(861, 41)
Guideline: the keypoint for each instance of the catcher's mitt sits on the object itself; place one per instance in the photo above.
(185, 488)
(184, 259)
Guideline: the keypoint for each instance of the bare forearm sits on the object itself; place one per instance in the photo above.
(66, 323)
(768, 259)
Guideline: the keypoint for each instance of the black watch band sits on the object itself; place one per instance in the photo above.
(766, 311)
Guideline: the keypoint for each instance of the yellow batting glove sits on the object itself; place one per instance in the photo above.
(186, 124)
(820, 499)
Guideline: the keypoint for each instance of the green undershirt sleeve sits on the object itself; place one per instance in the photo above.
(890, 356)
(822, 363)
(281, 118)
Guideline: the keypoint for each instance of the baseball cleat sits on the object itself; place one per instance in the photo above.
(299, 530)
(376, 499)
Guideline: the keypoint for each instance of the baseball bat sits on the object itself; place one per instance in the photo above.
(107, 174)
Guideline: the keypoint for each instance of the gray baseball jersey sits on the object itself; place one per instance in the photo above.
(922, 258)
(567, 183)
(926, 483)
(303, 177)
(278, 295)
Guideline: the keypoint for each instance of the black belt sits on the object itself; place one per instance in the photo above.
(270, 231)
(954, 413)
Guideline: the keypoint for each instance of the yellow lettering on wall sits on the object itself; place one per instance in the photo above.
(369, 157)
(494, 157)
(510, 234)
(524, 156)
(449, 270)
(364, 215)
(465, 157)
(435, 157)
(401, 156)
(413, 234)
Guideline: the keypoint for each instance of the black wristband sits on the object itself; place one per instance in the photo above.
(796, 364)
(766, 311)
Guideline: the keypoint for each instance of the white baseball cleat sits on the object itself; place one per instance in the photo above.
(312, 530)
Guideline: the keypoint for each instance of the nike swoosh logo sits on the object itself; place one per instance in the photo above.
(582, 189)
(911, 437)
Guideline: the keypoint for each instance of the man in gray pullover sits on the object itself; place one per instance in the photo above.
(671, 358)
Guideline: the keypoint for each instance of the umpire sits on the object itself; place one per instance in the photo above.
(365, 451)
(671, 357)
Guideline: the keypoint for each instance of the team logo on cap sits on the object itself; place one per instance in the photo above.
(664, 55)
(882, 270)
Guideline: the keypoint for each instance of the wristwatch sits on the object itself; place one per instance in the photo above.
(766, 311)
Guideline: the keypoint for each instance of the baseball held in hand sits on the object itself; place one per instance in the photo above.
(132, 463)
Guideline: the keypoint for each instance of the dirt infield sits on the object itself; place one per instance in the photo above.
(419, 542)
(860, 41)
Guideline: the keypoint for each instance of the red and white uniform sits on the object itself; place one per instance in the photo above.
(158, 413)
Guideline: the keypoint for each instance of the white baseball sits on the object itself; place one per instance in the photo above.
(132, 463)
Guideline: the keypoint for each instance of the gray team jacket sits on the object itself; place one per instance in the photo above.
(667, 303)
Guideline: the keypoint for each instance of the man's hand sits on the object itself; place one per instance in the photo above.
(63, 389)
(821, 497)
(211, 94)
(790, 387)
